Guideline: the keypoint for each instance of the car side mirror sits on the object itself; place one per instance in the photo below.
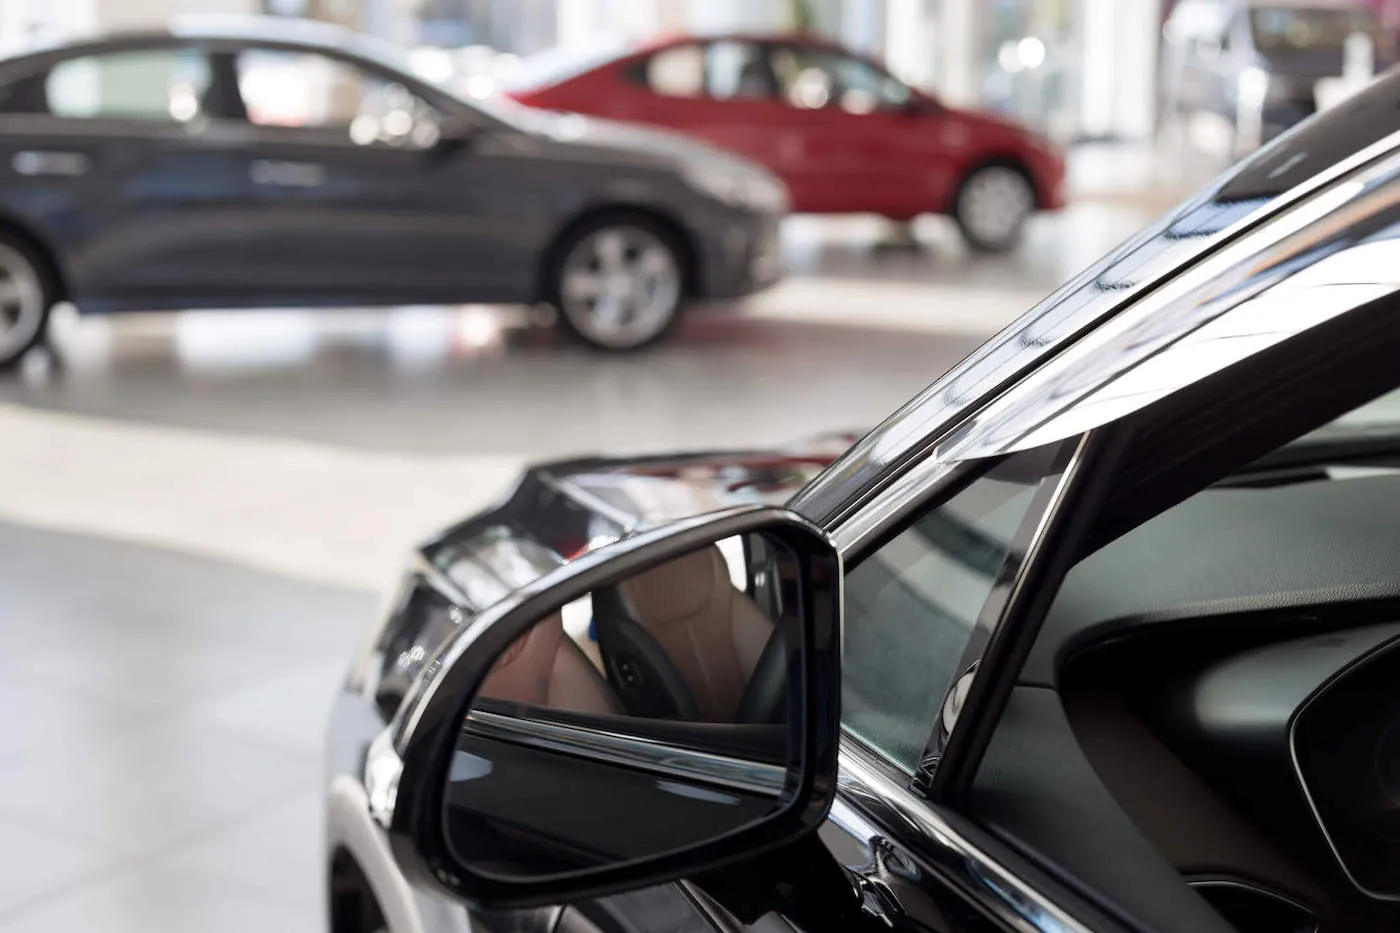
(663, 706)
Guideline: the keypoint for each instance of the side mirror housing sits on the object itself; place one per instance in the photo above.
(664, 706)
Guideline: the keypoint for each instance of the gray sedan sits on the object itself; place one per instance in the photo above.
(286, 164)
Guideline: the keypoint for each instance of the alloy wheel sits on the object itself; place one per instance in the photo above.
(993, 205)
(620, 286)
(22, 303)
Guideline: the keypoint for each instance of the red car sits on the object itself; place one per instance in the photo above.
(844, 134)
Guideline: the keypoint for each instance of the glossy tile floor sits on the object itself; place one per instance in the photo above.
(198, 512)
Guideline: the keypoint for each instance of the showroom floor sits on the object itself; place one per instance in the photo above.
(198, 513)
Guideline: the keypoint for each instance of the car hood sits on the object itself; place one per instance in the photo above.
(558, 511)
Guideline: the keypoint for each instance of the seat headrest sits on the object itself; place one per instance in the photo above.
(677, 589)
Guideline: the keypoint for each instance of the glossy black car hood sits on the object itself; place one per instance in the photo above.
(557, 511)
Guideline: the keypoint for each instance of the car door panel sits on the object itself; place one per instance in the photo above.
(358, 204)
(143, 213)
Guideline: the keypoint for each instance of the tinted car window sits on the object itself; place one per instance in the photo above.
(150, 84)
(296, 89)
(737, 70)
(911, 607)
(816, 78)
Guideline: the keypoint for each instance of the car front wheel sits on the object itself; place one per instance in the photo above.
(992, 207)
(25, 297)
(618, 283)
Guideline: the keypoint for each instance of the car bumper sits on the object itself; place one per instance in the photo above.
(743, 257)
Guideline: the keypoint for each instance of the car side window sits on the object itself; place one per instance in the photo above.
(677, 72)
(911, 606)
(159, 85)
(306, 90)
(737, 71)
(813, 79)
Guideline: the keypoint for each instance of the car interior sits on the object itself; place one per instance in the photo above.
(1212, 698)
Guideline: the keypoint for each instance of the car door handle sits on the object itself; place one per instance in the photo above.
(282, 174)
(34, 162)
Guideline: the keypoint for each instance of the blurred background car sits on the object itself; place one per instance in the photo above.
(293, 164)
(1265, 65)
(843, 133)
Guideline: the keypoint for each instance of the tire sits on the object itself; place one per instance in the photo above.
(992, 206)
(618, 282)
(27, 293)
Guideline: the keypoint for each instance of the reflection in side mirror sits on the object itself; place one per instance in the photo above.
(663, 706)
(646, 717)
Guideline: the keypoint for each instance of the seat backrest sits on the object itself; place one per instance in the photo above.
(544, 667)
(712, 633)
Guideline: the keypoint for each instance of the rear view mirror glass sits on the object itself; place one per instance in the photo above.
(654, 714)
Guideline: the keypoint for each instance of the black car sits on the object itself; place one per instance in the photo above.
(1100, 632)
(228, 164)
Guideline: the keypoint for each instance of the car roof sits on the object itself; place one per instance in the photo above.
(816, 40)
(961, 415)
(282, 30)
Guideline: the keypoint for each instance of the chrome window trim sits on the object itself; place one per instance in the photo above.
(923, 831)
(682, 764)
(1255, 264)
(938, 410)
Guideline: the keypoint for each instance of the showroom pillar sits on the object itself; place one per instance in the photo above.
(1118, 67)
(957, 65)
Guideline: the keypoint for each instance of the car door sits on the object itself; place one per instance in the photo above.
(854, 138)
(116, 156)
(921, 612)
(361, 202)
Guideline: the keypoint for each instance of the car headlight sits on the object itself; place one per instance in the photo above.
(739, 187)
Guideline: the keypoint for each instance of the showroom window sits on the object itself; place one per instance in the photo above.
(310, 91)
(151, 84)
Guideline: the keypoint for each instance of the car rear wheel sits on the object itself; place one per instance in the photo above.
(618, 283)
(25, 298)
(992, 207)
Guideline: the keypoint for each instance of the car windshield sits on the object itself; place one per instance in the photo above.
(1297, 28)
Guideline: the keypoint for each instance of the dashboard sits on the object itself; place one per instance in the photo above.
(1345, 744)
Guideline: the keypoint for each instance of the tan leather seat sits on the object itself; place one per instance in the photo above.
(713, 633)
(544, 667)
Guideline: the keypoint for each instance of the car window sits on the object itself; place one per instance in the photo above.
(912, 605)
(150, 84)
(816, 78)
(737, 70)
(1302, 29)
(677, 72)
(306, 90)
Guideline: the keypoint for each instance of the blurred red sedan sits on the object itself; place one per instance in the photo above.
(842, 132)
